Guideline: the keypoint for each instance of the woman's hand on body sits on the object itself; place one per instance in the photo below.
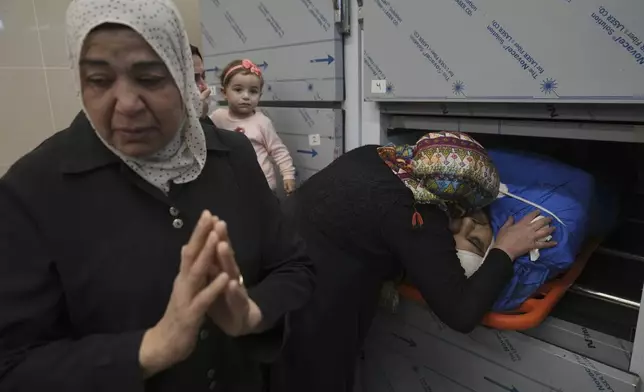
(517, 239)
(233, 312)
(174, 337)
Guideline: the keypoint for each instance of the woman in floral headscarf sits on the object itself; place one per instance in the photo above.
(377, 210)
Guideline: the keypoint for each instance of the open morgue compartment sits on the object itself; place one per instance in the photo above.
(590, 341)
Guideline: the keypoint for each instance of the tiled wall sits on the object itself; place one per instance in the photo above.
(37, 92)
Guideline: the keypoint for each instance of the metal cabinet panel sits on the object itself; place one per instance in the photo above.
(306, 156)
(598, 346)
(484, 360)
(295, 43)
(313, 136)
(494, 50)
(306, 121)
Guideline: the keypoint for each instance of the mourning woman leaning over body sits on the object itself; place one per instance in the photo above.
(378, 210)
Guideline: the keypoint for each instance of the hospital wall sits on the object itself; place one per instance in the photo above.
(37, 93)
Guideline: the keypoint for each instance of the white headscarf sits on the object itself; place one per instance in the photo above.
(160, 24)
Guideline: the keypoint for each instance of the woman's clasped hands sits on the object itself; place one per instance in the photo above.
(209, 284)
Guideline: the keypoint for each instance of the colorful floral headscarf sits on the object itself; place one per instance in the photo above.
(448, 169)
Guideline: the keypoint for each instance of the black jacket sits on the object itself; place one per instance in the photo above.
(89, 252)
(356, 218)
(361, 207)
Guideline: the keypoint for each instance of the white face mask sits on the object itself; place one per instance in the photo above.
(469, 261)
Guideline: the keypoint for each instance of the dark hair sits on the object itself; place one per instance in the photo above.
(195, 51)
(226, 76)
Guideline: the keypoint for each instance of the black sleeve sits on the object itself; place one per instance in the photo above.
(428, 255)
(207, 121)
(288, 276)
(37, 348)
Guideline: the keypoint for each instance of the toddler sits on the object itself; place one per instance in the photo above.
(242, 84)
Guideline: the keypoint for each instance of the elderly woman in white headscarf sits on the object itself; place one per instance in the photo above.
(104, 283)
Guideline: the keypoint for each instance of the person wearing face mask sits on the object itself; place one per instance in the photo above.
(376, 211)
(104, 283)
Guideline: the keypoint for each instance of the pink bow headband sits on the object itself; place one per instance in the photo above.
(247, 65)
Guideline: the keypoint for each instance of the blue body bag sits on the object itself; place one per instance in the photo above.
(565, 191)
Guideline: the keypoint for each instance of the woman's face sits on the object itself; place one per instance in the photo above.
(472, 233)
(128, 92)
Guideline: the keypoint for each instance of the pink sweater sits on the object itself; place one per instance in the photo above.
(268, 145)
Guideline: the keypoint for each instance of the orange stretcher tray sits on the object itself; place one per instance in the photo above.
(534, 310)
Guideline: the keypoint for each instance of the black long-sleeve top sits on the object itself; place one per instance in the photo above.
(89, 252)
(358, 204)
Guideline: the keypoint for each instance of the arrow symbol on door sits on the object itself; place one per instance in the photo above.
(328, 59)
(409, 341)
(498, 384)
(311, 152)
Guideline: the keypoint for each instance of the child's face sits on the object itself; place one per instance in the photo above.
(243, 93)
